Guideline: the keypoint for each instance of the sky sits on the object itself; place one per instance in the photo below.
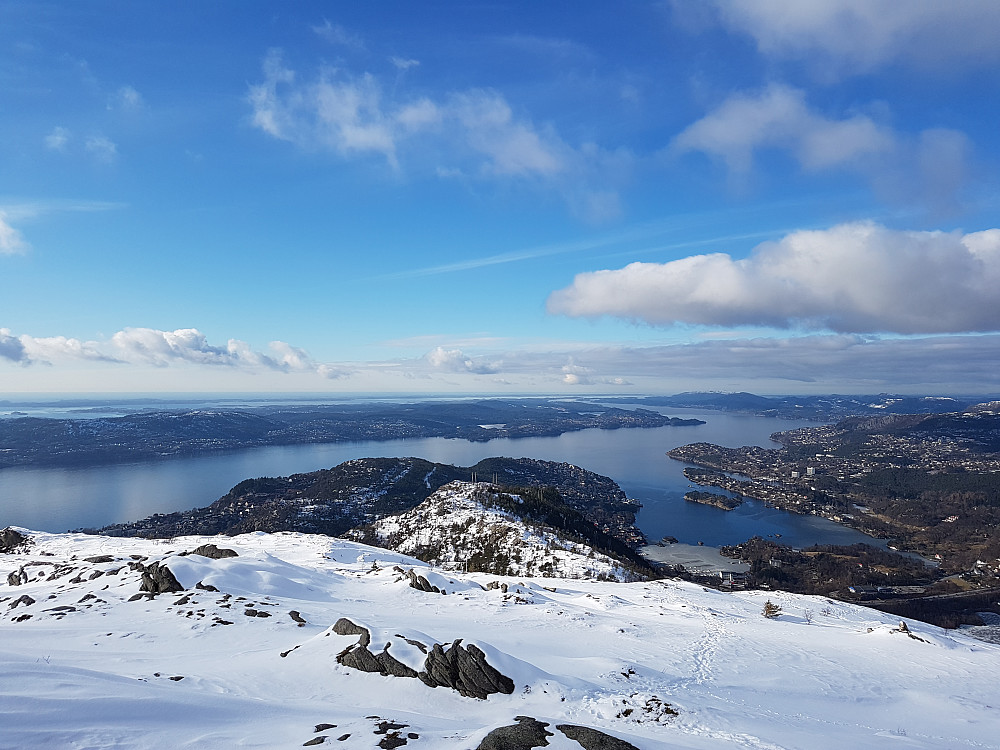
(500, 197)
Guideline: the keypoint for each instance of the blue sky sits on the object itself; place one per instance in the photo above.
(565, 197)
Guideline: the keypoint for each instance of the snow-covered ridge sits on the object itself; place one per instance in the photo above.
(461, 527)
(88, 662)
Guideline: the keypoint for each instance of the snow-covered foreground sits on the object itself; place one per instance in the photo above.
(91, 669)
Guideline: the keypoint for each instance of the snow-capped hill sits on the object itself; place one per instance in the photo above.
(476, 527)
(290, 640)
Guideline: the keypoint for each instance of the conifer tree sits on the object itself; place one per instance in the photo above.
(771, 610)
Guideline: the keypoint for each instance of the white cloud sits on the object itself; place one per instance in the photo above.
(512, 147)
(127, 99)
(54, 348)
(11, 347)
(338, 35)
(930, 166)
(859, 277)
(149, 346)
(473, 132)
(404, 64)
(11, 241)
(860, 35)
(58, 139)
(779, 116)
(454, 360)
(102, 148)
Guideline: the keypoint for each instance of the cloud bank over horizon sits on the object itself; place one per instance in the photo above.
(801, 364)
(854, 278)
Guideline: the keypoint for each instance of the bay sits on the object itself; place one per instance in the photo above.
(59, 499)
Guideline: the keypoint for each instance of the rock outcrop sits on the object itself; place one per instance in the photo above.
(17, 577)
(420, 583)
(216, 553)
(592, 739)
(465, 670)
(524, 735)
(358, 656)
(11, 539)
(157, 579)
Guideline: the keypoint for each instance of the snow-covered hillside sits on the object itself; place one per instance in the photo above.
(461, 525)
(245, 656)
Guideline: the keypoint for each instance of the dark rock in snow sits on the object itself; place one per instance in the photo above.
(591, 739)
(315, 741)
(524, 735)
(324, 727)
(11, 539)
(99, 559)
(420, 583)
(24, 599)
(205, 587)
(157, 579)
(343, 626)
(299, 619)
(359, 657)
(17, 577)
(216, 553)
(465, 670)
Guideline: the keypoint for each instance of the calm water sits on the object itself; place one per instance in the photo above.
(62, 499)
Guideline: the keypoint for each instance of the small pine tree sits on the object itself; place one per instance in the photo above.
(771, 610)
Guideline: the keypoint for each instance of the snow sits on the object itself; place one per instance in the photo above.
(458, 514)
(601, 654)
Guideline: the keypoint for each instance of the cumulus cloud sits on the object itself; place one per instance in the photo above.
(454, 360)
(930, 166)
(162, 348)
(779, 116)
(474, 132)
(54, 348)
(149, 346)
(858, 277)
(859, 35)
(11, 240)
(11, 347)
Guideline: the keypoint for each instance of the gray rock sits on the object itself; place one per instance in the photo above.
(99, 559)
(420, 583)
(157, 579)
(464, 670)
(294, 614)
(343, 626)
(11, 539)
(17, 577)
(359, 657)
(524, 735)
(24, 599)
(216, 553)
(591, 739)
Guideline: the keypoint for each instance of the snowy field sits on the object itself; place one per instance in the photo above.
(91, 669)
